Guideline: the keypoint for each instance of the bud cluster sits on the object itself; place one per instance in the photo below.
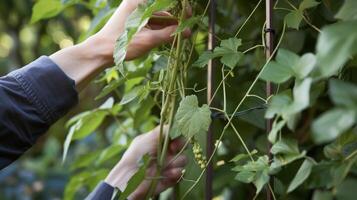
(198, 153)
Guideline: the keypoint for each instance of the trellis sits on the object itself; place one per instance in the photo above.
(269, 51)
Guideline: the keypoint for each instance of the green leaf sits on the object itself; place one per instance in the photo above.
(306, 4)
(245, 176)
(301, 94)
(302, 174)
(348, 10)
(285, 146)
(343, 93)
(243, 156)
(339, 40)
(276, 73)
(131, 95)
(88, 124)
(228, 51)
(203, 59)
(331, 124)
(261, 180)
(44, 9)
(136, 179)
(191, 119)
(278, 104)
(341, 148)
(293, 19)
(108, 153)
(274, 131)
(304, 66)
(287, 58)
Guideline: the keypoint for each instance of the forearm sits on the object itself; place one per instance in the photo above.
(86, 60)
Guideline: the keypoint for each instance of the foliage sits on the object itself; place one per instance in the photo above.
(313, 108)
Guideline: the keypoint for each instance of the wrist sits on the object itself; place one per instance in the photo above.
(120, 175)
(99, 49)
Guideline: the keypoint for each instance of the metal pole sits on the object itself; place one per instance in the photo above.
(211, 65)
(269, 48)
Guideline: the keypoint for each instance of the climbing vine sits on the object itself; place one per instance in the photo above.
(313, 106)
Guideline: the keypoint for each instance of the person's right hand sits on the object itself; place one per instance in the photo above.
(128, 165)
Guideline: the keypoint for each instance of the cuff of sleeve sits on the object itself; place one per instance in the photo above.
(103, 191)
(48, 88)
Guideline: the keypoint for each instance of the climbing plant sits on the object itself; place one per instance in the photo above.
(310, 152)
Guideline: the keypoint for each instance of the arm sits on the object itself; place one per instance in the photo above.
(36, 96)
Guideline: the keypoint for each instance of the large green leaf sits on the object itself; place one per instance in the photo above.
(348, 10)
(301, 175)
(306, 4)
(331, 124)
(44, 9)
(192, 119)
(343, 93)
(335, 46)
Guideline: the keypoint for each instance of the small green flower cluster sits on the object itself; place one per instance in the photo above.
(198, 153)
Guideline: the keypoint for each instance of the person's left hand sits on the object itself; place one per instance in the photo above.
(142, 145)
(156, 33)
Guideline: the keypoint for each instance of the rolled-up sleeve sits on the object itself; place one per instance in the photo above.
(31, 99)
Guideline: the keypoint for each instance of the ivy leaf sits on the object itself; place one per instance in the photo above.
(274, 131)
(348, 10)
(285, 146)
(278, 104)
(331, 124)
(339, 40)
(343, 94)
(132, 94)
(191, 119)
(293, 19)
(227, 51)
(276, 73)
(306, 4)
(301, 98)
(341, 148)
(256, 172)
(304, 66)
(302, 174)
(136, 179)
(203, 59)
(44, 9)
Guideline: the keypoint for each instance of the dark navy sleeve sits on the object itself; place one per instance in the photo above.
(31, 100)
(103, 191)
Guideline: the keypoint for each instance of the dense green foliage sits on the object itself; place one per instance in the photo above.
(314, 136)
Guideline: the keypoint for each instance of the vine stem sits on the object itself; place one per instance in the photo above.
(236, 110)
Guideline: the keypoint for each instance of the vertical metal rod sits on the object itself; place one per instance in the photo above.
(269, 48)
(210, 78)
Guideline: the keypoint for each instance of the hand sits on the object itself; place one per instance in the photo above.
(156, 33)
(142, 145)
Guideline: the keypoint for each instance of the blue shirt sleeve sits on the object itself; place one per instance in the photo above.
(31, 100)
(103, 191)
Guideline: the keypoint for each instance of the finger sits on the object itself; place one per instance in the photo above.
(162, 19)
(177, 145)
(177, 162)
(165, 35)
(172, 175)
